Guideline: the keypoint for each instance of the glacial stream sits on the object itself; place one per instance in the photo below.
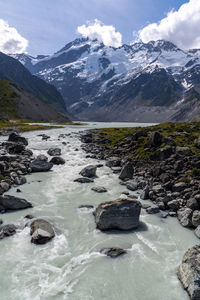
(70, 266)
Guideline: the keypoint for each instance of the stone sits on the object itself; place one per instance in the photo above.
(153, 210)
(86, 206)
(20, 180)
(41, 232)
(113, 161)
(174, 204)
(179, 187)
(84, 180)
(5, 186)
(189, 272)
(127, 171)
(132, 185)
(54, 151)
(192, 203)
(15, 148)
(57, 160)
(196, 218)
(157, 189)
(197, 232)
(40, 166)
(185, 217)
(113, 252)
(89, 171)
(29, 217)
(99, 189)
(16, 138)
(155, 139)
(8, 202)
(145, 193)
(121, 214)
(42, 157)
(7, 230)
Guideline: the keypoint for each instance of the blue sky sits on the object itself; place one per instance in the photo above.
(49, 24)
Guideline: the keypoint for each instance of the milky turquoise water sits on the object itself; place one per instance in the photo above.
(70, 267)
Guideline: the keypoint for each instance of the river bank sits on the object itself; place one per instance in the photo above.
(71, 265)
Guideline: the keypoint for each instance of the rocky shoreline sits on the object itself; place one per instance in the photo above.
(165, 165)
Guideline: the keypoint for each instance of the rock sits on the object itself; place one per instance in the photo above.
(113, 252)
(192, 203)
(197, 232)
(84, 180)
(5, 186)
(40, 166)
(189, 272)
(7, 230)
(163, 153)
(54, 152)
(196, 218)
(8, 202)
(89, 171)
(122, 214)
(174, 204)
(86, 206)
(16, 138)
(99, 189)
(15, 148)
(29, 217)
(126, 172)
(153, 210)
(18, 191)
(185, 217)
(57, 160)
(132, 185)
(179, 187)
(155, 139)
(145, 193)
(113, 161)
(20, 180)
(41, 232)
(42, 157)
(157, 189)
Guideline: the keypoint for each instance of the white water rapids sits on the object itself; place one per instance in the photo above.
(70, 266)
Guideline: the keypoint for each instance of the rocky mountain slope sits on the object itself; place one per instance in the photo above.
(17, 103)
(156, 81)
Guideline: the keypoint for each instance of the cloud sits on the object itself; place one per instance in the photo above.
(103, 33)
(11, 41)
(181, 27)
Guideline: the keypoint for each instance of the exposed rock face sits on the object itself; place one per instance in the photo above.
(113, 252)
(54, 152)
(57, 160)
(7, 230)
(122, 214)
(89, 171)
(41, 232)
(41, 166)
(16, 138)
(189, 272)
(126, 172)
(8, 202)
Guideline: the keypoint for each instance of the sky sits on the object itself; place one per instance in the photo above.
(45, 26)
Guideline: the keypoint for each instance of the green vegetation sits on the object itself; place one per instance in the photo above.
(195, 172)
(8, 106)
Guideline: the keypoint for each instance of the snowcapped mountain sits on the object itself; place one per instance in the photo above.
(156, 81)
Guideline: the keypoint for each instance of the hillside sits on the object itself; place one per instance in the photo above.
(17, 103)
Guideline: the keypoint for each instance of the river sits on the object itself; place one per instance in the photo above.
(71, 267)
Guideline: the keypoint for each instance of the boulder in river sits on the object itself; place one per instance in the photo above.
(99, 189)
(16, 138)
(122, 214)
(41, 232)
(84, 180)
(7, 230)
(126, 171)
(57, 160)
(185, 217)
(40, 166)
(113, 252)
(189, 272)
(8, 202)
(89, 171)
(42, 157)
(54, 152)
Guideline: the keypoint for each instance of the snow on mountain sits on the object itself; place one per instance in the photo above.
(87, 72)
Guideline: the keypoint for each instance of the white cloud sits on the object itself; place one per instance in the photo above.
(181, 27)
(10, 40)
(103, 33)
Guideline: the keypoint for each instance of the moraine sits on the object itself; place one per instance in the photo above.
(71, 266)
